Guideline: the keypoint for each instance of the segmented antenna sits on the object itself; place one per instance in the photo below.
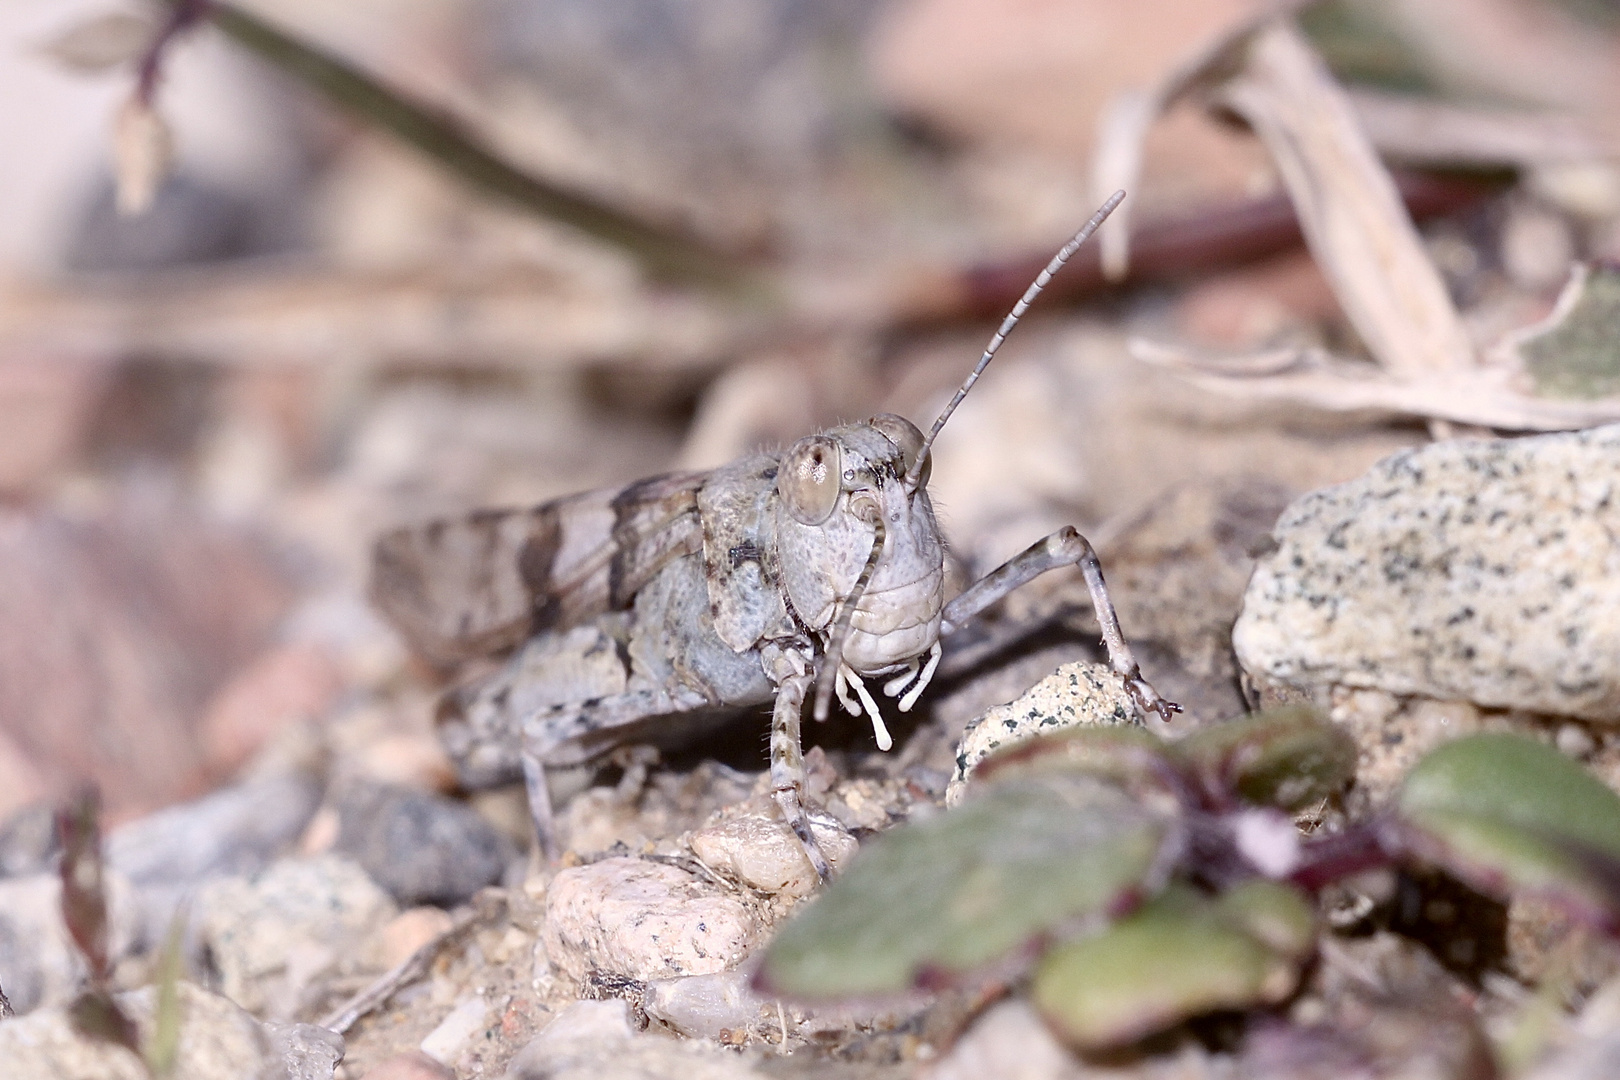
(914, 474)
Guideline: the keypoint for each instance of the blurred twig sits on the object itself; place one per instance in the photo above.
(667, 254)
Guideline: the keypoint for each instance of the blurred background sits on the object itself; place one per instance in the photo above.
(209, 409)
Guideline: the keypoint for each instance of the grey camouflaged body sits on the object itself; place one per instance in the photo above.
(631, 615)
(640, 613)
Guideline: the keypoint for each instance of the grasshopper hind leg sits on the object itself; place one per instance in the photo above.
(581, 732)
(540, 813)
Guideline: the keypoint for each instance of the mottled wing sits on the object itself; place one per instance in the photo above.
(482, 584)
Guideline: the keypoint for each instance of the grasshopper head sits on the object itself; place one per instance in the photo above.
(850, 531)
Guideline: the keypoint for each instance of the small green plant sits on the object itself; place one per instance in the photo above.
(1138, 883)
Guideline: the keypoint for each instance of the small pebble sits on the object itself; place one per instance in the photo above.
(409, 931)
(643, 920)
(1074, 695)
(446, 1042)
(422, 848)
(1576, 741)
(762, 852)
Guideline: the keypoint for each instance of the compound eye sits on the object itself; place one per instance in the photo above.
(809, 479)
(904, 434)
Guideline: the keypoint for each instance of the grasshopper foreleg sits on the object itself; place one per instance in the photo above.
(793, 675)
(1066, 547)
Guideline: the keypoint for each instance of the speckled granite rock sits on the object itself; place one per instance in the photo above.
(643, 920)
(1073, 695)
(1480, 570)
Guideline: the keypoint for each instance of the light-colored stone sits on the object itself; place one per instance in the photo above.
(272, 935)
(218, 1041)
(410, 759)
(762, 852)
(304, 1051)
(446, 1041)
(592, 1040)
(644, 920)
(1075, 695)
(1480, 570)
(1009, 1041)
(705, 1006)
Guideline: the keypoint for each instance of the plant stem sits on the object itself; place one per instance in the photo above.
(664, 253)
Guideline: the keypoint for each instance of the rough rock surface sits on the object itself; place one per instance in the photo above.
(1073, 695)
(422, 848)
(1479, 570)
(272, 935)
(762, 852)
(643, 920)
(218, 1041)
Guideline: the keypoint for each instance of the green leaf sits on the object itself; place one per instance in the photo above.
(1179, 956)
(944, 899)
(1288, 757)
(163, 1046)
(1124, 755)
(1505, 813)
(1576, 353)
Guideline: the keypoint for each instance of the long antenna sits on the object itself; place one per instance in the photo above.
(914, 474)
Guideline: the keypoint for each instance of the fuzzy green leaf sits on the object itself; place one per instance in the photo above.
(983, 885)
(1124, 755)
(1178, 957)
(1506, 813)
(1288, 757)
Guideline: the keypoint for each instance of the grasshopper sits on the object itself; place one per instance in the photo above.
(653, 607)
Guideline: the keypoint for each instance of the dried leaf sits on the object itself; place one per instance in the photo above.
(1349, 209)
(103, 42)
(84, 893)
(1485, 397)
(1352, 216)
(97, 1016)
(973, 889)
(142, 153)
(1424, 131)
